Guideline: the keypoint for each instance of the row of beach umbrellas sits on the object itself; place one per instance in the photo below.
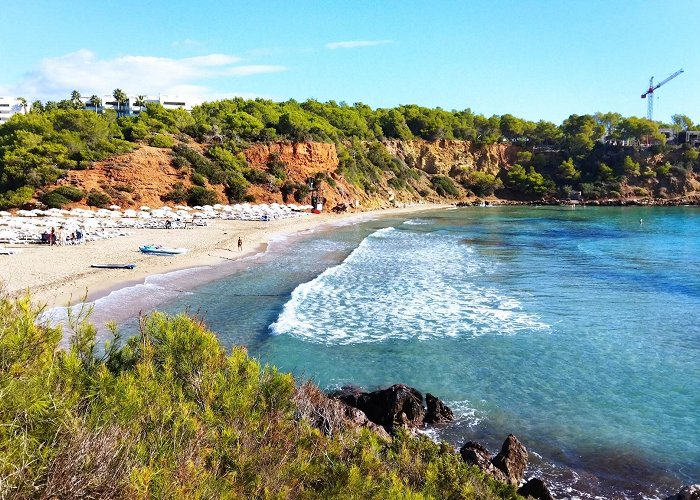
(26, 226)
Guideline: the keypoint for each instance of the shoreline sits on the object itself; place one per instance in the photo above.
(61, 275)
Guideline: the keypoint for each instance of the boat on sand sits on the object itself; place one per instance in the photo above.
(114, 266)
(161, 250)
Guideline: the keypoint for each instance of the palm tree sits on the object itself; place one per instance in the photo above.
(75, 100)
(121, 97)
(23, 103)
(95, 102)
(140, 102)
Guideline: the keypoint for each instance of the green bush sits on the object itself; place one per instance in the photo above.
(70, 192)
(482, 184)
(198, 179)
(180, 162)
(236, 187)
(198, 195)
(16, 198)
(302, 191)
(54, 200)
(170, 413)
(444, 186)
(161, 141)
(178, 194)
(276, 167)
(98, 199)
(256, 176)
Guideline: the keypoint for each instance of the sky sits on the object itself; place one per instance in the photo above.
(533, 59)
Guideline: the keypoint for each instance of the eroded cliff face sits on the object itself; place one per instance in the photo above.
(146, 174)
(304, 157)
(448, 156)
(303, 160)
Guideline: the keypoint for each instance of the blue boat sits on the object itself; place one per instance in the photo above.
(161, 250)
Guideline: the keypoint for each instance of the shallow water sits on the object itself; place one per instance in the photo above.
(577, 330)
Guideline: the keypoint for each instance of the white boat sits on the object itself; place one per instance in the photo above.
(161, 250)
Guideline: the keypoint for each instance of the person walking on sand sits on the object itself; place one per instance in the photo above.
(240, 244)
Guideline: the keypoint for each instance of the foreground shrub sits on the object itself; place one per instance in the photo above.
(169, 414)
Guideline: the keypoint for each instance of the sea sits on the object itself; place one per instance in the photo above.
(576, 329)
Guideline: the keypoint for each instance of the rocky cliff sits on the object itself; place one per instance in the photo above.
(145, 175)
(445, 157)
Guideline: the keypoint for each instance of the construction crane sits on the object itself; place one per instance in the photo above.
(649, 94)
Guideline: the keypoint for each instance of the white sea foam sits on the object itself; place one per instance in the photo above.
(402, 285)
(416, 222)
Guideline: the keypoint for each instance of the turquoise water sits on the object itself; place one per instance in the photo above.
(577, 330)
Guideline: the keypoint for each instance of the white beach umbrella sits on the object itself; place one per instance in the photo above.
(218, 206)
(26, 213)
(3, 213)
(145, 208)
(115, 207)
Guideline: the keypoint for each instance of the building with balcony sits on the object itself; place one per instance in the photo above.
(8, 107)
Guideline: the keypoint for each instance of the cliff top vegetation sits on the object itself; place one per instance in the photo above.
(38, 148)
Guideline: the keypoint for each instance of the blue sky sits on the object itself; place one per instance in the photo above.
(534, 59)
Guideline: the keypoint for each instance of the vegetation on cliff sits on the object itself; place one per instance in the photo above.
(38, 148)
(168, 414)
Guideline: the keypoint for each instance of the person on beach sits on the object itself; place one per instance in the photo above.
(240, 244)
(52, 237)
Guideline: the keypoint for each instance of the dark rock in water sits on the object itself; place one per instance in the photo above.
(349, 395)
(690, 492)
(397, 406)
(438, 412)
(358, 419)
(535, 488)
(512, 460)
(476, 454)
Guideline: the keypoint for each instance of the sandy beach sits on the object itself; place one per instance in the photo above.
(60, 275)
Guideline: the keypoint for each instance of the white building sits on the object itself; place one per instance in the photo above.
(8, 107)
(129, 108)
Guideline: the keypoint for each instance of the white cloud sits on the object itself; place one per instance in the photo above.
(352, 44)
(83, 70)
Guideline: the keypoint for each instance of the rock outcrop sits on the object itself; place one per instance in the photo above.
(444, 156)
(535, 488)
(477, 454)
(395, 407)
(690, 492)
(512, 460)
(305, 157)
(508, 466)
(437, 412)
(331, 415)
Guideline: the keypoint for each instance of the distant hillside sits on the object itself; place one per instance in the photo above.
(242, 150)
